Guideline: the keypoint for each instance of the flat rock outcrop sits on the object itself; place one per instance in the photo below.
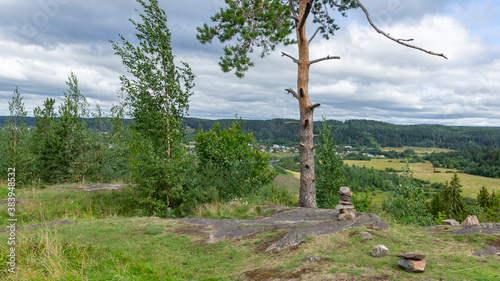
(485, 228)
(297, 224)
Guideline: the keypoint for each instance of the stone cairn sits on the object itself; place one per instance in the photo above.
(345, 206)
(412, 262)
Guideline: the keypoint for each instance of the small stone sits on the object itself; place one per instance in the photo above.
(340, 207)
(412, 256)
(411, 265)
(470, 220)
(345, 202)
(345, 198)
(490, 251)
(347, 216)
(349, 193)
(366, 235)
(342, 211)
(451, 222)
(310, 258)
(344, 189)
(380, 251)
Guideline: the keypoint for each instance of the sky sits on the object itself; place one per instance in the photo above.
(43, 41)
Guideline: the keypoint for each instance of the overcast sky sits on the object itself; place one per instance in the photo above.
(42, 41)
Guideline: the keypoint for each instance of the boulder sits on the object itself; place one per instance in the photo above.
(412, 265)
(490, 251)
(380, 251)
(451, 222)
(470, 220)
(412, 256)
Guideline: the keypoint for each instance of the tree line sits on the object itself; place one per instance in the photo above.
(356, 133)
(480, 161)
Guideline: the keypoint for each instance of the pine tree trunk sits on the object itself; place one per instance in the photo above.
(307, 196)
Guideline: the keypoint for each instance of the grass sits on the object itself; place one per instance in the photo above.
(69, 202)
(108, 243)
(470, 184)
(150, 248)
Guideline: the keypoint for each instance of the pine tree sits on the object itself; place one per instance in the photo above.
(329, 169)
(265, 24)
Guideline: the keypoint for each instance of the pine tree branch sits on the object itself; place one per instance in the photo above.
(312, 107)
(325, 58)
(292, 92)
(294, 14)
(287, 55)
(399, 41)
(314, 35)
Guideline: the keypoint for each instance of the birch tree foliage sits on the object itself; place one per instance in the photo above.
(157, 94)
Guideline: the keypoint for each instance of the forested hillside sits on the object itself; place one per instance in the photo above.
(357, 133)
(369, 133)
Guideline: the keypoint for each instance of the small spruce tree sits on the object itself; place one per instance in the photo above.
(329, 169)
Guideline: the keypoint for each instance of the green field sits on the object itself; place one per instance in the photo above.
(418, 150)
(424, 171)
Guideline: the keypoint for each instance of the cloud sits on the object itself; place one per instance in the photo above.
(374, 79)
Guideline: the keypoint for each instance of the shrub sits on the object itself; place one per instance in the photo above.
(407, 201)
(228, 161)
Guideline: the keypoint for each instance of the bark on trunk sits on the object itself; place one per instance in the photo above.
(307, 196)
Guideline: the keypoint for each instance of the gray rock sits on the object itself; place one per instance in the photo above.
(451, 222)
(340, 206)
(490, 251)
(341, 211)
(485, 228)
(296, 223)
(412, 265)
(366, 235)
(412, 256)
(380, 251)
(345, 202)
(349, 216)
(344, 189)
(310, 258)
(345, 198)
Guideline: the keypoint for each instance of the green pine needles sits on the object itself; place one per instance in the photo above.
(329, 169)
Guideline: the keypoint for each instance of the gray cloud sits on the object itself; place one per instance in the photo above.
(374, 79)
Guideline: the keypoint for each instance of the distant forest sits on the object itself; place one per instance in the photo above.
(356, 133)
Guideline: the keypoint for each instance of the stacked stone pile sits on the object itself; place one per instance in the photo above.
(345, 206)
(412, 262)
